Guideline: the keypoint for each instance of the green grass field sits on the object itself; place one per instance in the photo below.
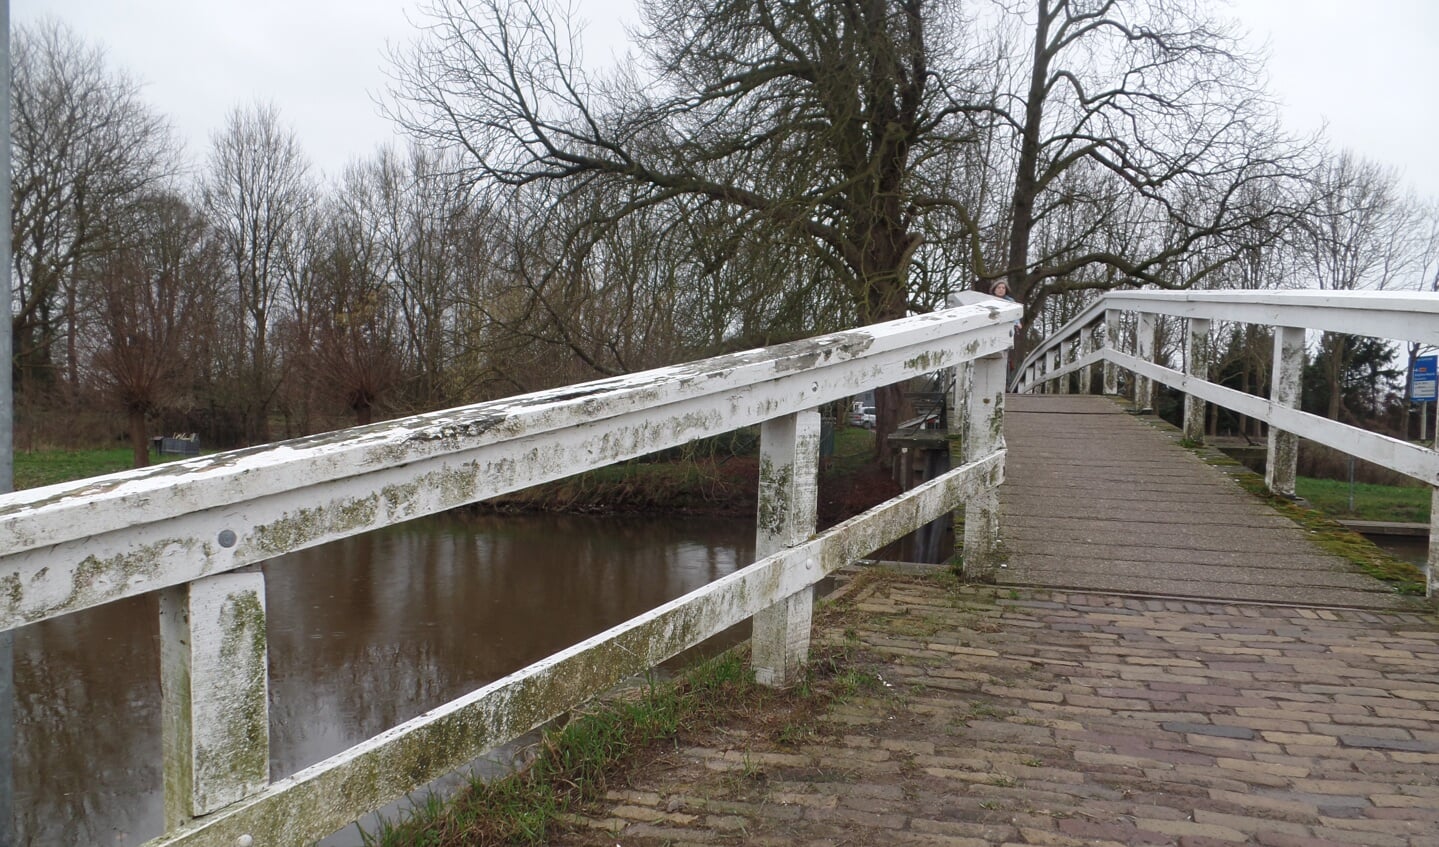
(47, 467)
(1371, 502)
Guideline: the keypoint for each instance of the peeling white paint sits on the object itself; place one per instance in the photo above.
(1286, 386)
(68, 548)
(214, 693)
(1197, 366)
(788, 510)
(983, 435)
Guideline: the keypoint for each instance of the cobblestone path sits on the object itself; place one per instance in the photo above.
(1001, 716)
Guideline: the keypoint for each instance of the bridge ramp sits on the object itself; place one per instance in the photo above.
(1096, 499)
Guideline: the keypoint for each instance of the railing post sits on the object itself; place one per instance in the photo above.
(1431, 585)
(1088, 343)
(1144, 349)
(1286, 383)
(1198, 358)
(1111, 340)
(214, 688)
(1062, 358)
(983, 434)
(788, 506)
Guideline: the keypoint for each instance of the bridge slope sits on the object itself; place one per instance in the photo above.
(1097, 500)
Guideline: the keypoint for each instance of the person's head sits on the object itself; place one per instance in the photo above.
(1000, 289)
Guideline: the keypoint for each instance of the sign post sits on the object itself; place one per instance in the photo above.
(1424, 388)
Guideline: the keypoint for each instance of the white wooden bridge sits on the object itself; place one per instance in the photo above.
(196, 530)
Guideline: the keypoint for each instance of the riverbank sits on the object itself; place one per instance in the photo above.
(850, 481)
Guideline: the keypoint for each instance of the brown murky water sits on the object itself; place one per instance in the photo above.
(364, 634)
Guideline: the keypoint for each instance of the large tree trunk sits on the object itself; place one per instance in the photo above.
(1026, 173)
(139, 438)
(884, 275)
(1334, 372)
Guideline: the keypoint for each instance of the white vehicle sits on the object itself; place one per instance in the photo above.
(862, 416)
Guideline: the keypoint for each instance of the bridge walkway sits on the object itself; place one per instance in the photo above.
(1170, 664)
(1021, 716)
(1097, 499)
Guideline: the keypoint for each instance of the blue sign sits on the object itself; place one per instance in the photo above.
(1424, 378)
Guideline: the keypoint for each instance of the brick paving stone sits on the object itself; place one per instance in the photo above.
(1309, 746)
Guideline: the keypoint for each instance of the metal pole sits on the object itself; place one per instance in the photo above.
(7, 439)
(7, 395)
(1351, 485)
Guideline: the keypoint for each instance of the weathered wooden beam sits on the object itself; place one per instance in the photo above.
(1062, 357)
(1409, 459)
(788, 509)
(1111, 343)
(1089, 343)
(1286, 385)
(1398, 315)
(983, 435)
(70, 547)
(1197, 361)
(1431, 583)
(1144, 348)
(214, 688)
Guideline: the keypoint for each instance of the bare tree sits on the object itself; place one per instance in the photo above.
(1155, 106)
(425, 215)
(256, 192)
(84, 147)
(358, 349)
(810, 118)
(156, 299)
(1349, 244)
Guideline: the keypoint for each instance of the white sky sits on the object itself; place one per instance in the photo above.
(1369, 68)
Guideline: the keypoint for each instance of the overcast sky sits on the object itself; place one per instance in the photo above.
(1369, 68)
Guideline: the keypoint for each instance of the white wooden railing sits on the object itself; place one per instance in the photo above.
(1095, 336)
(196, 530)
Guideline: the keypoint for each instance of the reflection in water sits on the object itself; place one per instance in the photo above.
(364, 634)
(1413, 549)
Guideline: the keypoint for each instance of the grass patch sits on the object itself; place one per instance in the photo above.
(1371, 502)
(35, 468)
(572, 764)
(602, 747)
(1335, 538)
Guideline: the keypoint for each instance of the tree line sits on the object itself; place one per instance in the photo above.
(755, 171)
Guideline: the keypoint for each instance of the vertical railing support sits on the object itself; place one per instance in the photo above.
(1111, 340)
(1062, 357)
(1144, 349)
(1089, 342)
(214, 687)
(983, 434)
(788, 506)
(1286, 383)
(1198, 368)
(1431, 584)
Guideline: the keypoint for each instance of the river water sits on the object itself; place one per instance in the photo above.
(364, 634)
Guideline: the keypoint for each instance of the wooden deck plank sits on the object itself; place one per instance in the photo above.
(1096, 499)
